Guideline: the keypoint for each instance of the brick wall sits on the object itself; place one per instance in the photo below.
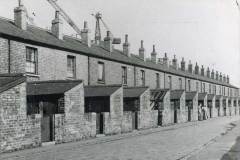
(195, 108)
(147, 118)
(74, 124)
(167, 112)
(113, 72)
(17, 130)
(127, 122)
(183, 113)
(113, 120)
(3, 55)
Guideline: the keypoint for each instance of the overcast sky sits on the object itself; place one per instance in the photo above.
(204, 31)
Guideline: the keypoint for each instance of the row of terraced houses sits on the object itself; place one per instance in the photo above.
(56, 88)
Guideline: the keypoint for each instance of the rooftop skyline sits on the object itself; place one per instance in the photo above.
(203, 31)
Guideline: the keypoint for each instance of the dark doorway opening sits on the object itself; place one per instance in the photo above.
(132, 105)
(175, 104)
(189, 105)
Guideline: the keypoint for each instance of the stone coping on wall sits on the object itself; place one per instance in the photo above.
(202, 96)
(8, 81)
(158, 94)
(176, 94)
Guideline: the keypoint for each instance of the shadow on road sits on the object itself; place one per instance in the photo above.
(234, 152)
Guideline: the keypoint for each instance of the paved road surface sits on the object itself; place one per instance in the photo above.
(182, 141)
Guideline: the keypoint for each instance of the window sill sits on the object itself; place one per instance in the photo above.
(101, 82)
(71, 78)
(32, 75)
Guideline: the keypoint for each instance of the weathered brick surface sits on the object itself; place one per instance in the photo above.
(147, 118)
(127, 125)
(17, 130)
(74, 124)
(183, 113)
(113, 72)
(113, 120)
(168, 111)
(4, 55)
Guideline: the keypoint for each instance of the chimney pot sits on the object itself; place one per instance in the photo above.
(174, 62)
(154, 55)
(183, 64)
(190, 67)
(20, 16)
(142, 51)
(126, 46)
(85, 34)
(165, 60)
(108, 42)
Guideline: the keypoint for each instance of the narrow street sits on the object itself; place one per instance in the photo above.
(184, 141)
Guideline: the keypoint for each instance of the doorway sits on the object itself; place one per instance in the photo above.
(100, 123)
(135, 120)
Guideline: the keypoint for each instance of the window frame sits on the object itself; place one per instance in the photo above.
(124, 75)
(142, 78)
(74, 66)
(103, 72)
(157, 80)
(35, 62)
(180, 83)
(170, 82)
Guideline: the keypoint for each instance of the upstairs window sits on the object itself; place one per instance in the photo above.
(124, 75)
(157, 80)
(210, 89)
(180, 83)
(197, 86)
(101, 72)
(142, 79)
(189, 85)
(170, 82)
(31, 60)
(204, 88)
(71, 66)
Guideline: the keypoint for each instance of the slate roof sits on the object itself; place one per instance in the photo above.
(201, 96)
(158, 94)
(176, 94)
(210, 96)
(8, 81)
(190, 95)
(38, 36)
(100, 91)
(133, 92)
(51, 87)
(218, 97)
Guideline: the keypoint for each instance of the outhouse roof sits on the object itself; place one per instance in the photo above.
(210, 96)
(176, 94)
(8, 81)
(190, 95)
(51, 87)
(158, 94)
(201, 96)
(100, 91)
(218, 97)
(133, 92)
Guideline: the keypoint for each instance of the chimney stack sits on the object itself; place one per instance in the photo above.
(20, 16)
(154, 55)
(57, 26)
(196, 69)
(174, 62)
(228, 80)
(212, 74)
(202, 71)
(208, 73)
(221, 78)
(190, 67)
(108, 42)
(126, 46)
(85, 35)
(183, 63)
(217, 75)
(142, 51)
(165, 60)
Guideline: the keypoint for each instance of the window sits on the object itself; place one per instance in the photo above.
(189, 85)
(203, 87)
(71, 66)
(197, 86)
(101, 70)
(170, 82)
(31, 60)
(180, 83)
(210, 89)
(142, 78)
(124, 75)
(157, 80)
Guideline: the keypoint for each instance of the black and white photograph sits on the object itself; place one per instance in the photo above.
(119, 79)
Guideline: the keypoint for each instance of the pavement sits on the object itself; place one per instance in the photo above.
(203, 140)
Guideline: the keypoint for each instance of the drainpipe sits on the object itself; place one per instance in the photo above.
(164, 80)
(9, 54)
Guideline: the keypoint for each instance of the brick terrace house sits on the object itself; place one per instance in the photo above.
(66, 89)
